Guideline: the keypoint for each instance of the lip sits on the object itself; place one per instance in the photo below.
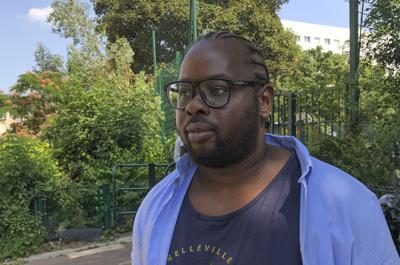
(199, 132)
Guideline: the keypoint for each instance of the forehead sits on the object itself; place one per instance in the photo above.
(226, 58)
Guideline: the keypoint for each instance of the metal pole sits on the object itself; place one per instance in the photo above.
(292, 114)
(353, 42)
(114, 168)
(153, 38)
(105, 189)
(152, 175)
(193, 22)
(354, 59)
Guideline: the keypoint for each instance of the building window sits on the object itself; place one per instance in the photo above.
(297, 37)
(337, 43)
(328, 41)
(307, 39)
(317, 40)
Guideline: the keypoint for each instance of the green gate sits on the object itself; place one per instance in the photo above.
(113, 209)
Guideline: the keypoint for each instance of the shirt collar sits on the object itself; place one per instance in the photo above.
(291, 142)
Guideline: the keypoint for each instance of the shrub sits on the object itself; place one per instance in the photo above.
(28, 172)
(368, 161)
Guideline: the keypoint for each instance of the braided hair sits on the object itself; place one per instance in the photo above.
(257, 57)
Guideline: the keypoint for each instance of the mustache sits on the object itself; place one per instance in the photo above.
(199, 119)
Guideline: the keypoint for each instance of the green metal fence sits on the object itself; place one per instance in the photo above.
(310, 114)
(123, 197)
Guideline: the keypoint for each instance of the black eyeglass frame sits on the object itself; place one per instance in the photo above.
(196, 86)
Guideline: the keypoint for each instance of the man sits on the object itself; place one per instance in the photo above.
(240, 196)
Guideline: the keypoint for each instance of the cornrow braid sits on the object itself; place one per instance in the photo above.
(258, 59)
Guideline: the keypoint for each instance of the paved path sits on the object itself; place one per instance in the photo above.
(113, 254)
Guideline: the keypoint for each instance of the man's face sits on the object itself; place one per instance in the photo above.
(220, 137)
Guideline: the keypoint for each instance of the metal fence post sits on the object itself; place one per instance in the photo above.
(178, 61)
(292, 114)
(152, 175)
(154, 50)
(107, 215)
(39, 209)
(114, 210)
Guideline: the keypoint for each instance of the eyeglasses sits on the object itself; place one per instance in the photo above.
(214, 92)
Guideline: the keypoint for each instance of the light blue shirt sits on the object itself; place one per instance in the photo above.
(341, 222)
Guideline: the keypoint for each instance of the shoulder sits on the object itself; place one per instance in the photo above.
(352, 212)
(341, 197)
(147, 213)
(157, 196)
(331, 181)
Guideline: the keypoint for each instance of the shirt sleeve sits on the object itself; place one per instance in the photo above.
(379, 247)
(136, 254)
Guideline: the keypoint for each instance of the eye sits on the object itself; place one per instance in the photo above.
(185, 92)
(218, 90)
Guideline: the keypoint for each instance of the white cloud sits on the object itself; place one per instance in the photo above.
(39, 14)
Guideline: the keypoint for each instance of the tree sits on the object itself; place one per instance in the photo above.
(256, 20)
(35, 95)
(317, 69)
(383, 42)
(45, 61)
(108, 113)
(383, 50)
(34, 98)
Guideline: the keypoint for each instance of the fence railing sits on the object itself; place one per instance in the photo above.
(310, 114)
(113, 207)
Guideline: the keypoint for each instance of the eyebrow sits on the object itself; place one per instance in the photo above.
(216, 76)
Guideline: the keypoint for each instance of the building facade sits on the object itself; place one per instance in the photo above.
(310, 36)
(5, 122)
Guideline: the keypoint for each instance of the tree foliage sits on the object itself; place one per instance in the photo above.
(46, 61)
(256, 20)
(79, 27)
(108, 113)
(34, 98)
(316, 69)
(356, 154)
(383, 42)
(380, 98)
(75, 124)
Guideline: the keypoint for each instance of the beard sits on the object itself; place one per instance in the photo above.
(233, 148)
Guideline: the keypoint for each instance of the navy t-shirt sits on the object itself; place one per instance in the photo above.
(265, 231)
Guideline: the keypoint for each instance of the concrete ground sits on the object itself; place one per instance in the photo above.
(111, 253)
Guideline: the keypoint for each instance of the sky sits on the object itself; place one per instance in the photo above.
(23, 26)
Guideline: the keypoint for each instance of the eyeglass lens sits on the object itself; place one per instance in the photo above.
(214, 92)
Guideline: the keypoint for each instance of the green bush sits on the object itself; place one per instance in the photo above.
(21, 233)
(369, 161)
(28, 172)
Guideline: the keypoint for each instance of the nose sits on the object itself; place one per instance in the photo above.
(197, 105)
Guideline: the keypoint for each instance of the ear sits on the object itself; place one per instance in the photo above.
(266, 101)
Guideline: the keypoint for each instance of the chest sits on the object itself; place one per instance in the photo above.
(265, 231)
